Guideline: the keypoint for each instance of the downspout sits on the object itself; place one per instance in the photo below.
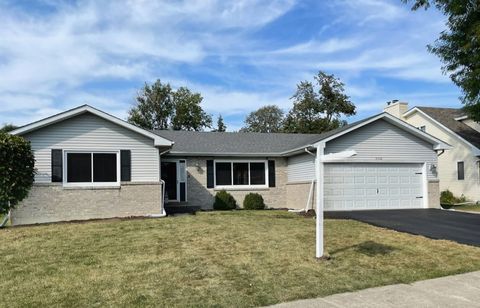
(310, 193)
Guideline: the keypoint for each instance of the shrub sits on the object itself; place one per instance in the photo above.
(224, 201)
(253, 201)
(447, 198)
(16, 170)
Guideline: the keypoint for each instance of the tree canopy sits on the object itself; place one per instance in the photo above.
(267, 119)
(458, 47)
(188, 114)
(158, 106)
(16, 170)
(221, 127)
(318, 106)
(7, 128)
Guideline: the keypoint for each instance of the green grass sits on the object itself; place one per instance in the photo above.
(467, 208)
(238, 259)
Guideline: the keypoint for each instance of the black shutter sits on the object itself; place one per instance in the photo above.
(271, 173)
(125, 165)
(210, 180)
(57, 171)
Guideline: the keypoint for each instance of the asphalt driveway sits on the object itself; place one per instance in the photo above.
(437, 224)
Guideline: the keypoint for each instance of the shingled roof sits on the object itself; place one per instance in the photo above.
(447, 116)
(190, 142)
(263, 144)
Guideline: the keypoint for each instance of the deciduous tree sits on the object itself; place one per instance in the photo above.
(458, 47)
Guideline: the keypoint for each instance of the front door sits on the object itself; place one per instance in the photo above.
(169, 175)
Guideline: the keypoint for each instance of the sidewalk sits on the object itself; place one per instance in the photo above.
(451, 291)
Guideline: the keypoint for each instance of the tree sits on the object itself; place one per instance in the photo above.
(318, 108)
(267, 119)
(459, 47)
(160, 107)
(7, 128)
(221, 127)
(16, 170)
(188, 114)
(154, 106)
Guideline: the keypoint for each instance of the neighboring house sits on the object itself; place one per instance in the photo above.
(458, 168)
(93, 165)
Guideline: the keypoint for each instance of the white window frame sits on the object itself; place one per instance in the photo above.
(89, 184)
(240, 187)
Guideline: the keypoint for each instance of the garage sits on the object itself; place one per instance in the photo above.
(369, 186)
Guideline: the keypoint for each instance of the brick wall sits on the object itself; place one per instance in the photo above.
(52, 203)
(199, 195)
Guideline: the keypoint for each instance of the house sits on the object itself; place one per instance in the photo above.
(93, 165)
(458, 168)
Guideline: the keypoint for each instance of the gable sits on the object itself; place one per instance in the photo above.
(63, 116)
(436, 129)
(381, 141)
(90, 132)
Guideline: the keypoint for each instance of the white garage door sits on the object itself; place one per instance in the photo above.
(373, 186)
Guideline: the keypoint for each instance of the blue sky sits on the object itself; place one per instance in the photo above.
(240, 55)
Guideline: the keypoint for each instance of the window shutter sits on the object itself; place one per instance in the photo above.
(125, 165)
(210, 180)
(57, 170)
(271, 173)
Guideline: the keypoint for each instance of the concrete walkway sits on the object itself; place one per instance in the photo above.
(451, 291)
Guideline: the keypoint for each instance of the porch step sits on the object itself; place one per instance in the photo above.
(181, 209)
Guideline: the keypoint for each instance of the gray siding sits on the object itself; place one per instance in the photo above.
(301, 168)
(89, 132)
(376, 142)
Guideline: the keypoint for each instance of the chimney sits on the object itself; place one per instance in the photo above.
(396, 108)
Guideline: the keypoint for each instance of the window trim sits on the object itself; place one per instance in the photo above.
(91, 183)
(463, 171)
(243, 187)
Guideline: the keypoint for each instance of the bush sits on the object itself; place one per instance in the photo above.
(253, 201)
(224, 201)
(16, 170)
(447, 198)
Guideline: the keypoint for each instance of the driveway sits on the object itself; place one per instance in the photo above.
(433, 223)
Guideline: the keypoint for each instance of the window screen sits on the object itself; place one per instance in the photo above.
(104, 167)
(257, 173)
(240, 173)
(223, 173)
(79, 167)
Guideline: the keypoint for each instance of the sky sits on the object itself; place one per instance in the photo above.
(240, 55)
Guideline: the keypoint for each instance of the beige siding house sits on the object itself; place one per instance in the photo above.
(92, 165)
(458, 168)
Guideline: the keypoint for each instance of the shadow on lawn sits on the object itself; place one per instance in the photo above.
(369, 248)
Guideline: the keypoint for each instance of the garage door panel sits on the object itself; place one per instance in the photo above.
(372, 186)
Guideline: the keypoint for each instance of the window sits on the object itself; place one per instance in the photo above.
(223, 173)
(240, 173)
(423, 128)
(91, 168)
(460, 170)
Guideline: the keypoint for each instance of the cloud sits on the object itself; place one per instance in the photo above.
(239, 55)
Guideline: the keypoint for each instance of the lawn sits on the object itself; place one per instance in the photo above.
(239, 259)
(467, 208)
